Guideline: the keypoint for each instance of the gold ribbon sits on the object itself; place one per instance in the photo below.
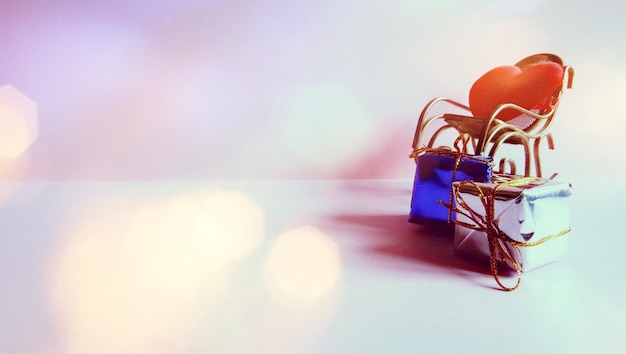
(459, 152)
(488, 224)
(444, 150)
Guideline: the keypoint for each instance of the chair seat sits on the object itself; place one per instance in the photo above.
(466, 124)
(474, 125)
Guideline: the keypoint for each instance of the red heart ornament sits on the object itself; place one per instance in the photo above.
(510, 84)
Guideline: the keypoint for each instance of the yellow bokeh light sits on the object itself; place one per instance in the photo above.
(139, 280)
(18, 122)
(303, 263)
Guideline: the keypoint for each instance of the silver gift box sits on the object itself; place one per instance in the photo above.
(526, 214)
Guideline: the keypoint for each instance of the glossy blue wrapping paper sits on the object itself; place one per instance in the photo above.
(434, 175)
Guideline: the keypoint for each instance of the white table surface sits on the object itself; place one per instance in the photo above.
(287, 267)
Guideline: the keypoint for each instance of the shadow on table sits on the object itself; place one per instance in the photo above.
(392, 242)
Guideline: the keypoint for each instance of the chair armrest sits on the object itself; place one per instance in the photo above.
(492, 121)
(569, 71)
(426, 109)
(522, 110)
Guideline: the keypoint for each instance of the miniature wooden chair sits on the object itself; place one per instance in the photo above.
(487, 134)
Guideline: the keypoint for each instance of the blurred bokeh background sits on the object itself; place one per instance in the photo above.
(257, 89)
(242, 90)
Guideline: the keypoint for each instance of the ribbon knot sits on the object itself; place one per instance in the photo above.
(501, 246)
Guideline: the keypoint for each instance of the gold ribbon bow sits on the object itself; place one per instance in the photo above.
(488, 224)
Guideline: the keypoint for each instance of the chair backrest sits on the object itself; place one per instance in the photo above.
(538, 58)
(528, 123)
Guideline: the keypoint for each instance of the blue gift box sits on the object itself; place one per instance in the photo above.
(434, 174)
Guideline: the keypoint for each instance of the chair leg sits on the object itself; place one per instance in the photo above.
(527, 160)
(525, 144)
(536, 151)
(537, 158)
(511, 163)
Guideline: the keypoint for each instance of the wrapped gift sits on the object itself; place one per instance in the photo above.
(435, 171)
(519, 222)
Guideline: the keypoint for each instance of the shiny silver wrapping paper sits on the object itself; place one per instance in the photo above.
(526, 214)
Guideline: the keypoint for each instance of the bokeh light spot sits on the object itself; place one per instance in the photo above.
(140, 279)
(18, 122)
(303, 263)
